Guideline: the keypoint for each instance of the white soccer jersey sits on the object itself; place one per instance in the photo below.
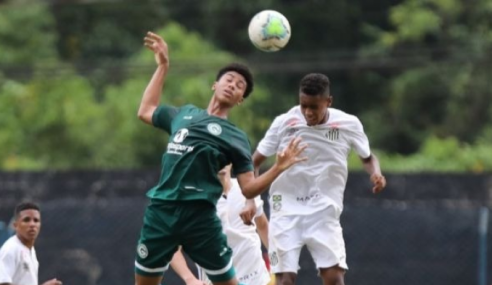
(313, 185)
(19, 264)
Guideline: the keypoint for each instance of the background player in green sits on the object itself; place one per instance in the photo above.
(201, 142)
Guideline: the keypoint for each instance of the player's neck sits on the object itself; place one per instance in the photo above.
(325, 118)
(216, 109)
(27, 243)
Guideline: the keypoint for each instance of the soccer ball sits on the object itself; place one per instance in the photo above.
(269, 31)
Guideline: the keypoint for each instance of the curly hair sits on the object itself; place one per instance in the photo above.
(241, 69)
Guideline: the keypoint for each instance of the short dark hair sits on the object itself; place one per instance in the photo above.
(25, 206)
(241, 69)
(315, 84)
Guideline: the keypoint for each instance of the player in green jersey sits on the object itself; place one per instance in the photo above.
(201, 142)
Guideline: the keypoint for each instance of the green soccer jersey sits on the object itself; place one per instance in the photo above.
(199, 146)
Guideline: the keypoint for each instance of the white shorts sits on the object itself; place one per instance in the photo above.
(250, 268)
(320, 232)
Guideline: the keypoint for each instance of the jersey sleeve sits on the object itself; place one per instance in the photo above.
(360, 142)
(7, 266)
(268, 146)
(163, 116)
(241, 155)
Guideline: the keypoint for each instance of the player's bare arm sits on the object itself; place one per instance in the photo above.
(152, 93)
(258, 160)
(290, 155)
(371, 165)
(262, 229)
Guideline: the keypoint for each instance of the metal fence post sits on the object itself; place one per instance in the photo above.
(483, 222)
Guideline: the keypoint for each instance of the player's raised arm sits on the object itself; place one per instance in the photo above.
(152, 93)
(290, 155)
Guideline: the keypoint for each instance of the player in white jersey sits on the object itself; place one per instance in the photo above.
(18, 262)
(306, 201)
(245, 240)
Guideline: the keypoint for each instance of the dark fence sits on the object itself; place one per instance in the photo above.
(424, 229)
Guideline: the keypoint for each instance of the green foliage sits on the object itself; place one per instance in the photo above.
(59, 123)
(46, 122)
(443, 88)
(26, 35)
(436, 155)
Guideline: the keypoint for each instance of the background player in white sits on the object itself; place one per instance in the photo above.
(18, 262)
(306, 201)
(245, 240)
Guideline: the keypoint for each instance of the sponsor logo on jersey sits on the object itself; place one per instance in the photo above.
(142, 251)
(176, 147)
(180, 135)
(214, 129)
(308, 198)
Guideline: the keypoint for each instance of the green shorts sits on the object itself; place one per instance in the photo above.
(192, 224)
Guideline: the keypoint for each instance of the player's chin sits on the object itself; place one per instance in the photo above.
(225, 101)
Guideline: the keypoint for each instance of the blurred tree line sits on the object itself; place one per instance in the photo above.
(415, 71)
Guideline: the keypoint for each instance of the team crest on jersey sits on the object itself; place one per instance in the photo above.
(180, 135)
(273, 258)
(277, 206)
(214, 129)
(142, 251)
(277, 202)
(333, 134)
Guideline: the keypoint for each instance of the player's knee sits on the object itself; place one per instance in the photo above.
(285, 278)
(333, 276)
(335, 280)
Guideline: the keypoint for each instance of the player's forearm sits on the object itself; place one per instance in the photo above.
(258, 160)
(255, 186)
(152, 94)
(262, 229)
(371, 165)
(179, 265)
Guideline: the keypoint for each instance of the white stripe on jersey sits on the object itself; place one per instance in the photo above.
(313, 185)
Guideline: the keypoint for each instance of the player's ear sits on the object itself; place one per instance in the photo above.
(213, 86)
(240, 101)
(329, 101)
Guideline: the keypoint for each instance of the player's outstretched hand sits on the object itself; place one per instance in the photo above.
(155, 43)
(379, 182)
(290, 155)
(53, 281)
